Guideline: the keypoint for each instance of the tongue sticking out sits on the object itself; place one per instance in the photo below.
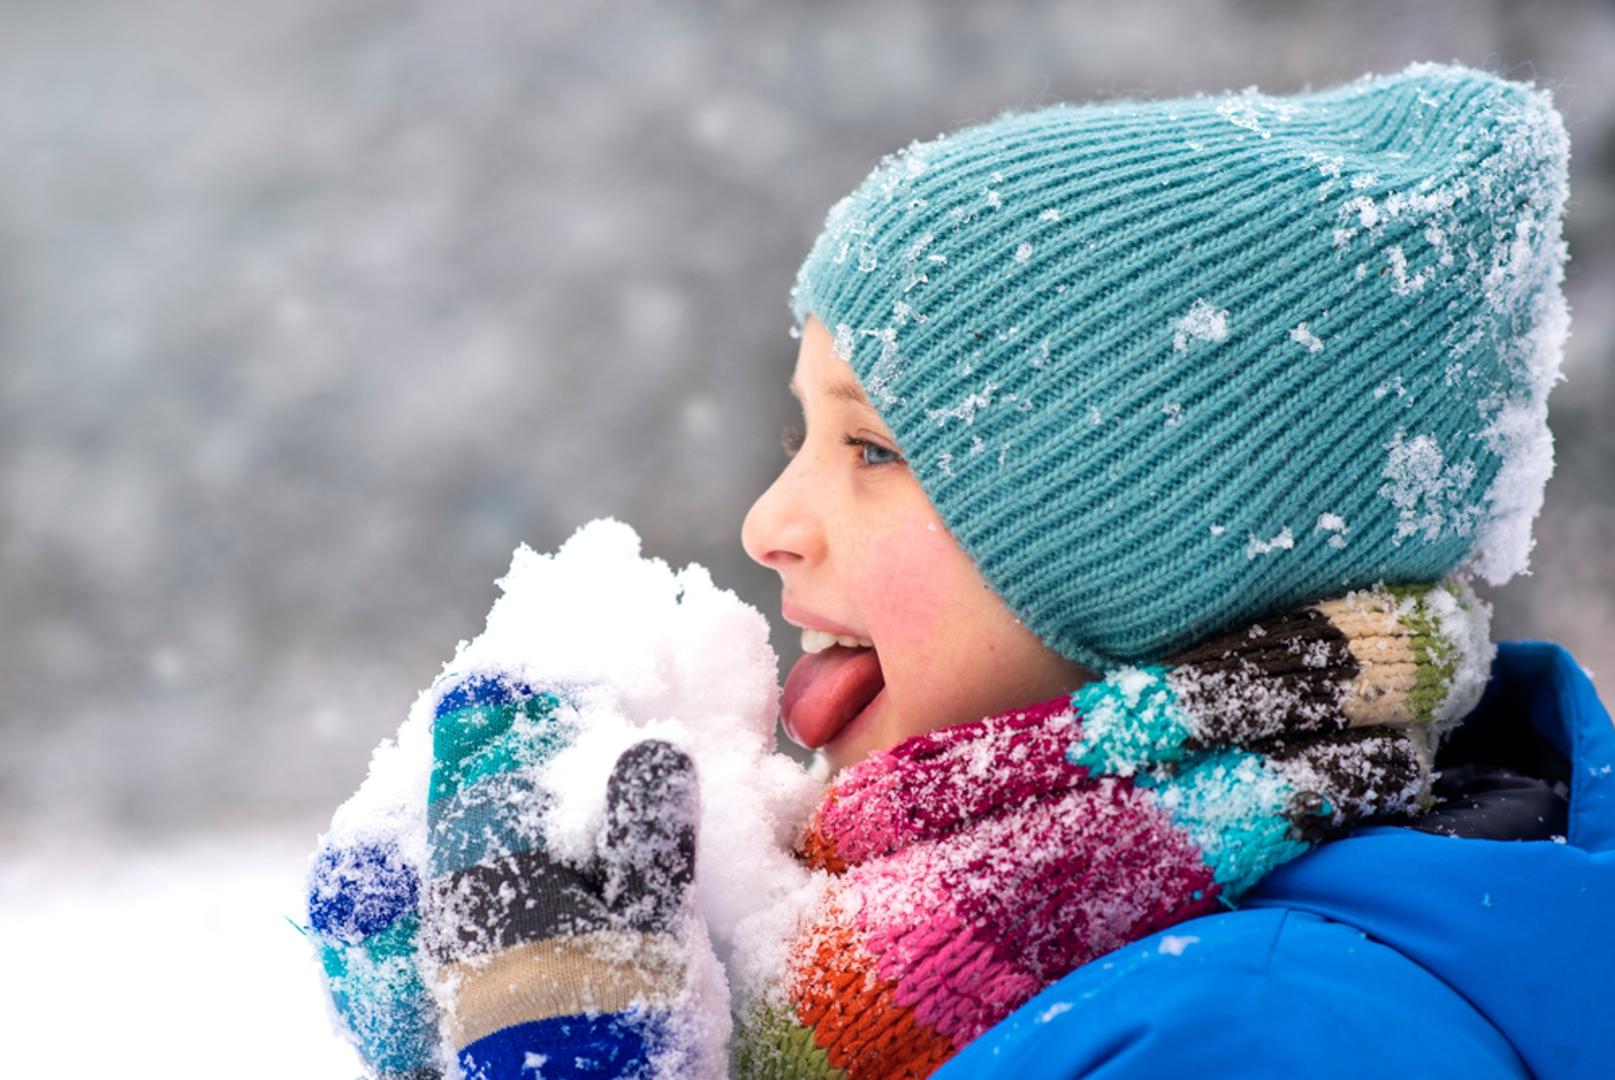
(825, 690)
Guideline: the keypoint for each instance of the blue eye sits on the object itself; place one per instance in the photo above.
(866, 447)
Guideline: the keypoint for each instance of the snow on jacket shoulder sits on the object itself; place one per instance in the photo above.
(1477, 945)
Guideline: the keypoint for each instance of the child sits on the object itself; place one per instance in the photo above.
(1150, 448)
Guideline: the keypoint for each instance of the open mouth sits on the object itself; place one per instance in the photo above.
(827, 690)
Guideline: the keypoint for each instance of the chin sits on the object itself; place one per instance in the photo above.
(840, 757)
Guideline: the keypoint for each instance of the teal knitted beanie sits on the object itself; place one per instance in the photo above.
(1166, 366)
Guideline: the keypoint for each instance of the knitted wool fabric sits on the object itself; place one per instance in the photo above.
(505, 954)
(972, 866)
(1163, 366)
(530, 955)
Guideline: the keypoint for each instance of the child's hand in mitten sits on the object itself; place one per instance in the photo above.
(364, 912)
(580, 969)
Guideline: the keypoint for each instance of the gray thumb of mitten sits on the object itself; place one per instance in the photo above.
(647, 849)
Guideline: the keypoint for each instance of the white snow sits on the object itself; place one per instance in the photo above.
(1253, 111)
(902, 312)
(1464, 619)
(123, 955)
(1174, 944)
(1401, 284)
(966, 410)
(1202, 322)
(1333, 523)
(1057, 1009)
(1515, 263)
(887, 368)
(1519, 432)
(888, 365)
(1284, 541)
(842, 341)
(1132, 682)
(1431, 495)
(1306, 338)
(640, 651)
(1365, 209)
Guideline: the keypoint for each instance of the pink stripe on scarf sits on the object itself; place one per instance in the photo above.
(928, 785)
(969, 927)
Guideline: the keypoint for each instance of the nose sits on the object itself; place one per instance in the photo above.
(782, 529)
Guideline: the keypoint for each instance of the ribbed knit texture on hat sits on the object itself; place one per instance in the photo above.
(1163, 366)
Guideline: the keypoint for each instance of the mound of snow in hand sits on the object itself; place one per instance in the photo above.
(641, 651)
(652, 653)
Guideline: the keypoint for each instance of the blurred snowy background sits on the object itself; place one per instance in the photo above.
(310, 312)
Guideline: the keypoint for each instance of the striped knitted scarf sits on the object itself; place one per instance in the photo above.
(972, 866)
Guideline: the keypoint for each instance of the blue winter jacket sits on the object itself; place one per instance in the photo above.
(1480, 944)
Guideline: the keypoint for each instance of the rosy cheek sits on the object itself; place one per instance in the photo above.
(905, 580)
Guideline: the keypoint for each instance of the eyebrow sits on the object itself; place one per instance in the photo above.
(843, 390)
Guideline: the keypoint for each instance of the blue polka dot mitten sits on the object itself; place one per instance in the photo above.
(363, 910)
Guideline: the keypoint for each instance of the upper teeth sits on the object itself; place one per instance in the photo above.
(819, 640)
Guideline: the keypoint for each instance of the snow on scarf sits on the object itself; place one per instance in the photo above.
(970, 867)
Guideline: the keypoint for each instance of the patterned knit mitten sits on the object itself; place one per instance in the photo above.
(538, 964)
(364, 912)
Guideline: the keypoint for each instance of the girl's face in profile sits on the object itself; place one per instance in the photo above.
(861, 551)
